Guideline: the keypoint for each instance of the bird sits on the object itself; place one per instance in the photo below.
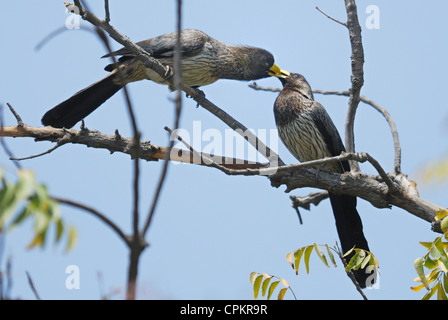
(308, 132)
(204, 60)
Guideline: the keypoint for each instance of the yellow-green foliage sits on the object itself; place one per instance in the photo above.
(436, 260)
(26, 199)
(361, 259)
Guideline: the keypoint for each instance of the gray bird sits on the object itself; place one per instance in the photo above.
(204, 60)
(308, 132)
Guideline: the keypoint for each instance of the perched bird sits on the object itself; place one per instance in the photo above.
(204, 60)
(308, 132)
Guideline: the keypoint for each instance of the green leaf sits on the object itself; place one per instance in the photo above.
(365, 261)
(38, 241)
(272, 288)
(418, 265)
(25, 185)
(330, 254)
(59, 229)
(430, 293)
(429, 263)
(418, 288)
(321, 255)
(257, 285)
(264, 286)
(348, 252)
(25, 213)
(443, 257)
(297, 257)
(427, 245)
(440, 292)
(441, 214)
(281, 294)
(308, 251)
(433, 275)
(25, 200)
(444, 225)
(72, 237)
(445, 282)
(356, 260)
(434, 252)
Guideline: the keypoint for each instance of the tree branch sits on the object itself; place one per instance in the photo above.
(369, 187)
(97, 214)
(357, 77)
(117, 143)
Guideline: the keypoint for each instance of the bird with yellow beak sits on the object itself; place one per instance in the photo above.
(204, 60)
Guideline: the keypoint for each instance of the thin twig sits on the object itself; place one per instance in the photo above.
(197, 155)
(3, 142)
(33, 288)
(358, 157)
(65, 139)
(97, 214)
(16, 115)
(107, 12)
(330, 17)
(299, 215)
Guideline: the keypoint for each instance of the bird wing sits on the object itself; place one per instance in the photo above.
(329, 132)
(192, 42)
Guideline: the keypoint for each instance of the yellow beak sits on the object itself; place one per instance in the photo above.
(275, 71)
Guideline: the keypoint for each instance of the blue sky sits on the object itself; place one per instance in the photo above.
(211, 230)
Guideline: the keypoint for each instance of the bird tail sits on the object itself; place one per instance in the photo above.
(349, 227)
(81, 104)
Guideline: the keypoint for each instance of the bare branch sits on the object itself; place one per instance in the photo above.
(97, 214)
(31, 283)
(198, 155)
(3, 142)
(60, 142)
(305, 201)
(117, 143)
(107, 12)
(330, 17)
(16, 115)
(357, 77)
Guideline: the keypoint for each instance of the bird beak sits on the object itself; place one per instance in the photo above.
(275, 71)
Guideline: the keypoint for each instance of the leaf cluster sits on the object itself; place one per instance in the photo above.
(24, 200)
(360, 259)
(435, 260)
(267, 286)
